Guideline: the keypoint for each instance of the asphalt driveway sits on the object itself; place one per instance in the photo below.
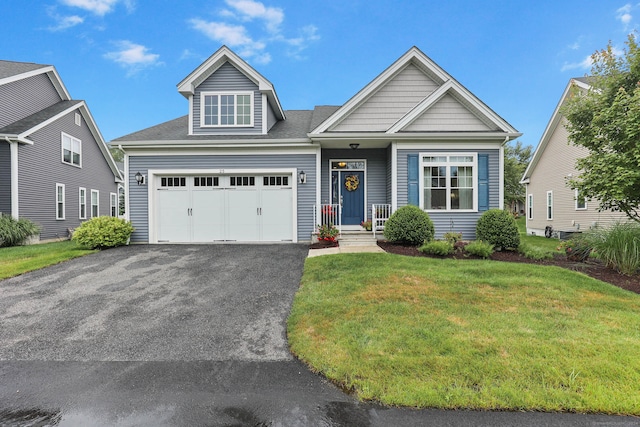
(155, 303)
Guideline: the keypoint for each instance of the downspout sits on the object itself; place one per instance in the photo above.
(13, 147)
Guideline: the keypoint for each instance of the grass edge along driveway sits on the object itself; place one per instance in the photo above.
(18, 260)
(454, 334)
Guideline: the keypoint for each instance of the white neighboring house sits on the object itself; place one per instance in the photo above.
(550, 202)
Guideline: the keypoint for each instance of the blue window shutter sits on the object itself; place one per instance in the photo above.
(413, 196)
(483, 182)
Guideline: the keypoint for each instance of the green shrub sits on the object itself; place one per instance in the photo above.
(577, 248)
(618, 246)
(534, 252)
(498, 227)
(409, 225)
(103, 232)
(452, 237)
(437, 247)
(479, 248)
(15, 232)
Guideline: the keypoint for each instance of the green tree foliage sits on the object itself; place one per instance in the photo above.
(116, 153)
(516, 159)
(606, 121)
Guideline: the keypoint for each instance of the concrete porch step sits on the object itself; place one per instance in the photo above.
(357, 238)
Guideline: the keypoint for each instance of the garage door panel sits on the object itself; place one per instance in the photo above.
(242, 215)
(173, 215)
(277, 214)
(208, 220)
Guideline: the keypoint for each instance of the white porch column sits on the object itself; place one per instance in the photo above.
(15, 211)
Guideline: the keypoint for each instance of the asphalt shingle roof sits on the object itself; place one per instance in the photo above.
(11, 68)
(35, 119)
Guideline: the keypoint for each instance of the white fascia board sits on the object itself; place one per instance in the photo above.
(10, 137)
(452, 145)
(414, 136)
(419, 109)
(226, 151)
(239, 143)
(554, 121)
(51, 73)
(58, 84)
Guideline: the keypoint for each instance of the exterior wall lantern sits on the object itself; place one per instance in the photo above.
(140, 178)
(302, 177)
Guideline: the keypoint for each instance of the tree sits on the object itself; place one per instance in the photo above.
(606, 121)
(516, 159)
(116, 153)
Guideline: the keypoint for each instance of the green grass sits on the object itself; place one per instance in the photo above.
(21, 259)
(423, 332)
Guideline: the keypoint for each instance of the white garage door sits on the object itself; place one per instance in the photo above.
(234, 208)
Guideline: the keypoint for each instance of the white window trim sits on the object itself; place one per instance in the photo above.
(64, 207)
(576, 195)
(62, 149)
(549, 206)
(82, 200)
(97, 192)
(530, 206)
(235, 111)
(78, 119)
(422, 164)
(113, 204)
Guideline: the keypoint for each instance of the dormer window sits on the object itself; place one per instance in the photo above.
(220, 109)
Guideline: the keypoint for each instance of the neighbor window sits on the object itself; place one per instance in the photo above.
(82, 195)
(530, 206)
(95, 206)
(549, 205)
(59, 201)
(71, 150)
(581, 202)
(226, 109)
(449, 181)
(113, 207)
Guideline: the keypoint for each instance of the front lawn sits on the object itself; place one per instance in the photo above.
(21, 259)
(423, 332)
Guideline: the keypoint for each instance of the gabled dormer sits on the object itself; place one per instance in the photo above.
(229, 97)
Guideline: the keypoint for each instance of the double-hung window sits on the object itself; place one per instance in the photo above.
(59, 201)
(95, 203)
(549, 205)
(449, 181)
(82, 206)
(530, 206)
(581, 201)
(71, 150)
(226, 109)
(113, 207)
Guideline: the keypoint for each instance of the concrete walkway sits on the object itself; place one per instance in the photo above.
(344, 250)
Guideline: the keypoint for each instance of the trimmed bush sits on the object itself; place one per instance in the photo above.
(479, 248)
(618, 246)
(498, 228)
(15, 232)
(409, 225)
(437, 247)
(103, 232)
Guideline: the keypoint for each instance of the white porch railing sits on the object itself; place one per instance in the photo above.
(379, 215)
(328, 214)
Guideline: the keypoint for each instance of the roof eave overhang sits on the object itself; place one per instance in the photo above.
(502, 136)
(262, 143)
(15, 138)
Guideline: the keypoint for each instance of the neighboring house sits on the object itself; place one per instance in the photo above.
(239, 167)
(550, 202)
(55, 168)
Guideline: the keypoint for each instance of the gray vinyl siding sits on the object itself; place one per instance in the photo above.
(22, 98)
(447, 114)
(228, 79)
(464, 222)
(41, 167)
(389, 175)
(5, 178)
(376, 176)
(138, 195)
(271, 117)
(391, 102)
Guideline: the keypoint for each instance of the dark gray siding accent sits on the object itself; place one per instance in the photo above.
(138, 195)
(5, 178)
(41, 167)
(376, 173)
(227, 78)
(22, 98)
(271, 117)
(464, 222)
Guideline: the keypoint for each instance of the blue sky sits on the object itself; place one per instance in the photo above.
(125, 57)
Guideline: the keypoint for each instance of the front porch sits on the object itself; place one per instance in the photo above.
(331, 214)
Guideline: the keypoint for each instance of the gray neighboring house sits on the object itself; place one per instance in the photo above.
(238, 167)
(55, 168)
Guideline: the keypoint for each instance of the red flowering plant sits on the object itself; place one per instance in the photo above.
(576, 249)
(366, 225)
(327, 232)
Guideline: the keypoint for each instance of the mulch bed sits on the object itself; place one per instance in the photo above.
(591, 268)
(321, 244)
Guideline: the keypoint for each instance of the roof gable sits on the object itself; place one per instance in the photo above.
(223, 55)
(554, 122)
(414, 84)
(11, 71)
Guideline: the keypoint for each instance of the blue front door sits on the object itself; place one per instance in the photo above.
(352, 192)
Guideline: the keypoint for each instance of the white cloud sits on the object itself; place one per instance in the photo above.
(584, 64)
(64, 22)
(237, 34)
(134, 57)
(624, 14)
(98, 7)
